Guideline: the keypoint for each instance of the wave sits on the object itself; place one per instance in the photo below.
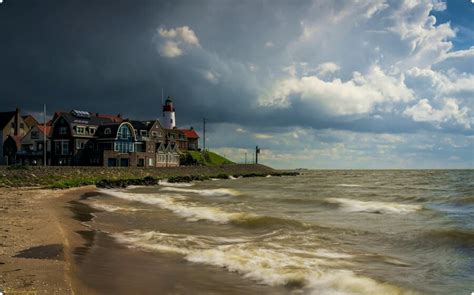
(350, 205)
(175, 184)
(257, 221)
(219, 192)
(111, 208)
(175, 203)
(349, 185)
(271, 266)
(457, 237)
(192, 212)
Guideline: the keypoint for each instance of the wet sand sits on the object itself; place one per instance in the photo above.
(32, 244)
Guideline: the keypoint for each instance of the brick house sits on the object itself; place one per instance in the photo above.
(192, 139)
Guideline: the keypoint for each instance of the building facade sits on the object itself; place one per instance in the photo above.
(12, 129)
(32, 150)
(81, 138)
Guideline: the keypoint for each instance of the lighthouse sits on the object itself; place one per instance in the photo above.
(169, 118)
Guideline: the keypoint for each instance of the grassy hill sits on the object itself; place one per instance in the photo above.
(209, 158)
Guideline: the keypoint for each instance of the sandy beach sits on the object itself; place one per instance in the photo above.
(35, 245)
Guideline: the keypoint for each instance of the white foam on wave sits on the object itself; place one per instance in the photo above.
(111, 208)
(175, 204)
(351, 205)
(175, 184)
(218, 192)
(349, 185)
(263, 264)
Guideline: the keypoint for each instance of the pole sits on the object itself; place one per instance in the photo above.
(245, 157)
(204, 133)
(45, 146)
(256, 154)
(257, 151)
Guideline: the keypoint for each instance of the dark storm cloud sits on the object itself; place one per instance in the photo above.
(104, 56)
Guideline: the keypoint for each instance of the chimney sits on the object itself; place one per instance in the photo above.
(17, 121)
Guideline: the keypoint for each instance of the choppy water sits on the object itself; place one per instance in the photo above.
(325, 232)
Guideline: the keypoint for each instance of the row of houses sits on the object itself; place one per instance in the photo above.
(81, 138)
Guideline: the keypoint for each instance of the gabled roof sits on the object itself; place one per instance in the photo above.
(113, 118)
(42, 129)
(113, 130)
(138, 125)
(5, 117)
(151, 123)
(83, 120)
(30, 120)
(190, 133)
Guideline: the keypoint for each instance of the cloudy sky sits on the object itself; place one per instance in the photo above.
(316, 84)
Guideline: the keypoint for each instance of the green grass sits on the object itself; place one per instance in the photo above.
(68, 183)
(209, 158)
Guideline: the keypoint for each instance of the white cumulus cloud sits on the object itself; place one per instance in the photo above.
(173, 41)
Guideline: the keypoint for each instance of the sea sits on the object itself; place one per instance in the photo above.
(323, 232)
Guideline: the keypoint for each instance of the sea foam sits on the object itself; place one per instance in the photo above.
(349, 185)
(266, 265)
(219, 192)
(175, 184)
(351, 205)
(110, 208)
(176, 204)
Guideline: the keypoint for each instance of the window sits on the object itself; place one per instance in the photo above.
(124, 132)
(80, 145)
(150, 162)
(63, 130)
(143, 133)
(107, 131)
(154, 133)
(92, 131)
(34, 135)
(123, 147)
(65, 148)
(80, 130)
(40, 147)
(61, 147)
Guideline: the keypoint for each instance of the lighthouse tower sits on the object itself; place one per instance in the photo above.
(169, 118)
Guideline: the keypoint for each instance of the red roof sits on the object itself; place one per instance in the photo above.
(48, 128)
(113, 118)
(190, 133)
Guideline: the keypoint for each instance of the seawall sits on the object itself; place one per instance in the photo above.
(56, 176)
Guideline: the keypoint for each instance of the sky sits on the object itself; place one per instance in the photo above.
(353, 84)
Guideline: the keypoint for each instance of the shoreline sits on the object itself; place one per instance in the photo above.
(43, 230)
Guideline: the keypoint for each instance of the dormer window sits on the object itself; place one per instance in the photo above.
(107, 131)
(143, 133)
(80, 130)
(92, 131)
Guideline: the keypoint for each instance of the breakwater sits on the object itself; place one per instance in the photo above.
(70, 176)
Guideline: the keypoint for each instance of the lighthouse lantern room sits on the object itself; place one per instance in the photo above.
(169, 118)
